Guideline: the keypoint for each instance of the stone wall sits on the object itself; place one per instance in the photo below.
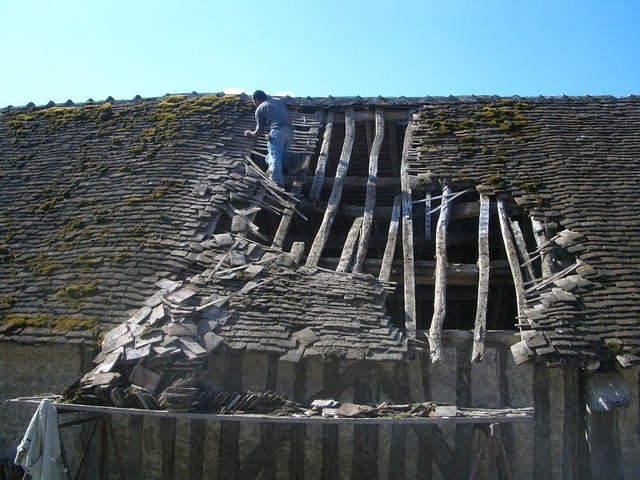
(628, 426)
(212, 449)
(32, 371)
(154, 447)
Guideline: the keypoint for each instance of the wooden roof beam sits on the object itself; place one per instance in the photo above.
(459, 274)
(440, 295)
(512, 256)
(370, 115)
(370, 201)
(392, 240)
(336, 193)
(296, 189)
(480, 326)
(458, 211)
(321, 164)
(407, 238)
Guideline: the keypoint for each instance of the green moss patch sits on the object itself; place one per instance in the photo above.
(7, 302)
(22, 121)
(61, 323)
(505, 115)
(78, 291)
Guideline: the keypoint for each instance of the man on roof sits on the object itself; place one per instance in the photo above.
(273, 116)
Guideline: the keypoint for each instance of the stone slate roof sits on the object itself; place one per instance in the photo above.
(98, 202)
(109, 207)
(105, 205)
(574, 164)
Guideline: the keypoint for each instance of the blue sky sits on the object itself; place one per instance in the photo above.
(67, 49)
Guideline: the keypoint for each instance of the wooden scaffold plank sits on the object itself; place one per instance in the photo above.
(407, 238)
(336, 193)
(370, 201)
(392, 239)
(512, 257)
(440, 274)
(321, 165)
(480, 327)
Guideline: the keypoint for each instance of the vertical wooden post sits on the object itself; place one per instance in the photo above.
(168, 441)
(542, 453)
(196, 449)
(134, 447)
(480, 328)
(370, 202)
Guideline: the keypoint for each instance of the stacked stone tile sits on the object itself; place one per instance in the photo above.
(263, 305)
(98, 203)
(572, 163)
(129, 194)
(101, 201)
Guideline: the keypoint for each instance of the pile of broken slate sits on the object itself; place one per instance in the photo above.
(201, 396)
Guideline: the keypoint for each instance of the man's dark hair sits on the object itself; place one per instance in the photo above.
(259, 95)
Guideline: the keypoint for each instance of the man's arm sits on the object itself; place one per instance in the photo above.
(259, 130)
(253, 133)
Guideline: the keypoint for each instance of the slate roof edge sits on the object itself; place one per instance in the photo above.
(330, 100)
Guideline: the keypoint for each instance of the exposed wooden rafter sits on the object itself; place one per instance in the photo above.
(407, 238)
(370, 201)
(440, 294)
(321, 165)
(541, 237)
(480, 326)
(512, 256)
(336, 193)
(427, 215)
(346, 259)
(299, 177)
(392, 239)
(522, 249)
(285, 221)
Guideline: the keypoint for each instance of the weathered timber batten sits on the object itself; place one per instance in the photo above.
(480, 324)
(370, 202)
(407, 239)
(336, 192)
(440, 293)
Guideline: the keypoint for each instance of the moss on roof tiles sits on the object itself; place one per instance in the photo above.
(78, 207)
(96, 178)
(59, 323)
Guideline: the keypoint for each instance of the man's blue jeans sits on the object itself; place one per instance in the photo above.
(278, 145)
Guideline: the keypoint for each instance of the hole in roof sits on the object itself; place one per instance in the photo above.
(462, 230)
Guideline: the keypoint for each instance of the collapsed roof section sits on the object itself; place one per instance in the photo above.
(499, 192)
(569, 164)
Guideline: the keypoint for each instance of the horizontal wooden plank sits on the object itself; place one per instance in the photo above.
(369, 115)
(479, 415)
(457, 274)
